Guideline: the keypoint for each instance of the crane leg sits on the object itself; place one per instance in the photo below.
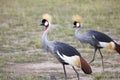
(76, 72)
(102, 59)
(65, 72)
(93, 55)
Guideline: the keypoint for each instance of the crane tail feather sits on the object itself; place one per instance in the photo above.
(85, 66)
(117, 47)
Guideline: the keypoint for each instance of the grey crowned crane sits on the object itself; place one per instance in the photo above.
(96, 39)
(66, 54)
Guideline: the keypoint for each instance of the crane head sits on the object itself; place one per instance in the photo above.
(46, 20)
(77, 21)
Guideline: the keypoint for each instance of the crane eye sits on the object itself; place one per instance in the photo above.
(76, 24)
(45, 22)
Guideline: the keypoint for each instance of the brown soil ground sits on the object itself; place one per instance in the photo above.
(51, 69)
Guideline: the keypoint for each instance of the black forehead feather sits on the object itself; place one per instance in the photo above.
(75, 23)
(44, 20)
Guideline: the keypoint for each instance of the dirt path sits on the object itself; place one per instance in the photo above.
(54, 69)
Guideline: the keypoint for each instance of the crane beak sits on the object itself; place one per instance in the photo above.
(41, 24)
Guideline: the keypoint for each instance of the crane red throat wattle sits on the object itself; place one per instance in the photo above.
(46, 27)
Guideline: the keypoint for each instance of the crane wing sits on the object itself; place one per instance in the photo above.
(101, 37)
(65, 53)
(65, 49)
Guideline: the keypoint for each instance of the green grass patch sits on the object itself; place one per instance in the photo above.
(22, 58)
(107, 75)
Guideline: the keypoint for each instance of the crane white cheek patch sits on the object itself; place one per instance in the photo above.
(46, 23)
(73, 60)
(77, 24)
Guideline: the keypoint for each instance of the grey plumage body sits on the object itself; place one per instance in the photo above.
(84, 37)
(92, 37)
(54, 46)
(95, 38)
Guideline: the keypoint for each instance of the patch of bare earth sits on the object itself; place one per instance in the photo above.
(50, 68)
(55, 69)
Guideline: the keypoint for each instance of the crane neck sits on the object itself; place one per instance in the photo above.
(44, 37)
(77, 32)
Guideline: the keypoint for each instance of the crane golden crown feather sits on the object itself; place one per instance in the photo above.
(47, 17)
(77, 18)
